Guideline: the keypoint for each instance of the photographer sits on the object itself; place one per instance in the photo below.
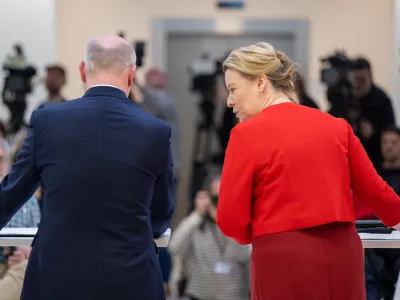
(354, 97)
(217, 267)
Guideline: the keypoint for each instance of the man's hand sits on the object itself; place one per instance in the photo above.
(21, 253)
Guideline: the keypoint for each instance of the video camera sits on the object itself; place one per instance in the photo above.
(204, 72)
(336, 75)
(336, 69)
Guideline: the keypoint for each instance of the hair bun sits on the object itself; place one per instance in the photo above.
(280, 55)
(265, 46)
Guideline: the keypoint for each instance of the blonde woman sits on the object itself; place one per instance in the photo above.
(286, 185)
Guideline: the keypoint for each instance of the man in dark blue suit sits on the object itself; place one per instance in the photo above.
(105, 167)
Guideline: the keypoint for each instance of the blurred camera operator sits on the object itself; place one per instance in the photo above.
(375, 108)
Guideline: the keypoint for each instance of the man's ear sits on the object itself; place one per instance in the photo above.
(131, 76)
(82, 71)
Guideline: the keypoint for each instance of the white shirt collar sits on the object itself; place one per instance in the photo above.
(109, 85)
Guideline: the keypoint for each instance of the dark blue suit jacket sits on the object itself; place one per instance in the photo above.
(105, 167)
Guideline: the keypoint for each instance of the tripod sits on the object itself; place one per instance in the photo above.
(202, 155)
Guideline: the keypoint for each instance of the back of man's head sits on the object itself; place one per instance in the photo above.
(109, 60)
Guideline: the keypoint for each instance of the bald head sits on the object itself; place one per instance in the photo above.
(109, 54)
(109, 60)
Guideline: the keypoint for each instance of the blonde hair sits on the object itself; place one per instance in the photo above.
(263, 59)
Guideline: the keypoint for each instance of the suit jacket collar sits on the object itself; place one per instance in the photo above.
(106, 90)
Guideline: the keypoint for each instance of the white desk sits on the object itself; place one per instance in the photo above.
(25, 236)
(371, 240)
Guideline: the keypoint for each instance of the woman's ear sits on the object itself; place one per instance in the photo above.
(262, 83)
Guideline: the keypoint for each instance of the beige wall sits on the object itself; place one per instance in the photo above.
(361, 26)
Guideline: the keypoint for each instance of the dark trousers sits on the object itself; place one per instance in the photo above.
(382, 267)
(372, 283)
(165, 263)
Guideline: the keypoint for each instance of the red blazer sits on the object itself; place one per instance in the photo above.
(291, 167)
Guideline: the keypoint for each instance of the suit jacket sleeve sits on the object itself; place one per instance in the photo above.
(22, 181)
(162, 206)
(368, 186)
(235, 198)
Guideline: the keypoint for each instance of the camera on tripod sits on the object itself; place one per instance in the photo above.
(204, 72)
(17, 83)
(205, 75)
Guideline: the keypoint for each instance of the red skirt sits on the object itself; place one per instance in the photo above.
(319, 263)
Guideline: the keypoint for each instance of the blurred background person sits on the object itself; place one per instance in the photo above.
(217, 268)
(55, 80)
(158, 102)
(375, 108)
(13, 260)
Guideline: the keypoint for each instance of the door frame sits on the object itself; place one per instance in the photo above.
(298, 28)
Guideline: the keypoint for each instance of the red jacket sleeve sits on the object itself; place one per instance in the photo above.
(368, 186)
(361, 210)
(235, 197)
